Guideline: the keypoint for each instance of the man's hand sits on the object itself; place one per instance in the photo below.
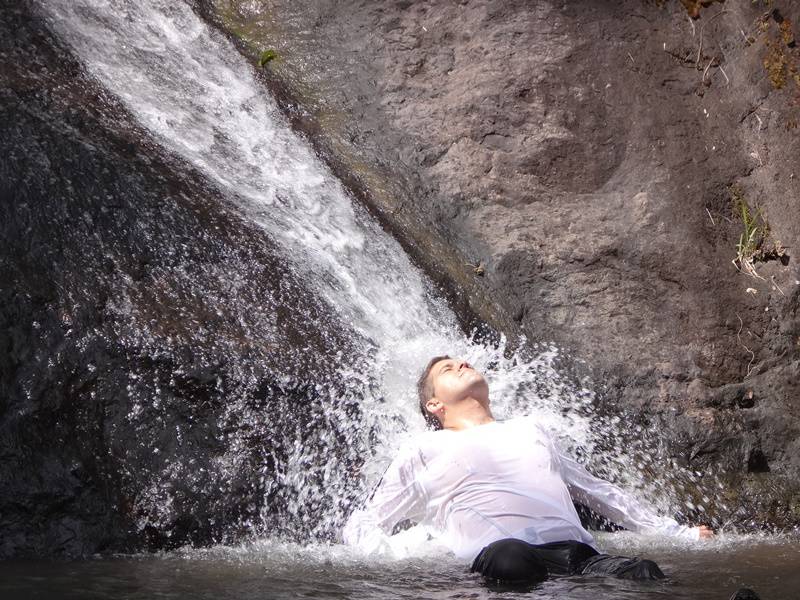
(705, 532)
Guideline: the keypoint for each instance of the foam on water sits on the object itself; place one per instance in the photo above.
(198, 97)
(265, 551)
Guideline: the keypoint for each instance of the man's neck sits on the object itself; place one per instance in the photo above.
(471, 412)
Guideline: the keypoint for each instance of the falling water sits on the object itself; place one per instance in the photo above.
(197, 96)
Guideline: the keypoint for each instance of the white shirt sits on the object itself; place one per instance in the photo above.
(490, 482)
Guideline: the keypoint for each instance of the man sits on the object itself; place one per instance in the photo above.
(500, 493)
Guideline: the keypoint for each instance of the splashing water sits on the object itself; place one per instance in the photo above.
(198, 97)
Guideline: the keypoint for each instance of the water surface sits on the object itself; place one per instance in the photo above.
(273, 570)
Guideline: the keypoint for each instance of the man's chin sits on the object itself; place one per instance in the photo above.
(477, 387)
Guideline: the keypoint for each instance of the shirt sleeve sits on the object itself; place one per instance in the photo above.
(615, 504)
(398, 496)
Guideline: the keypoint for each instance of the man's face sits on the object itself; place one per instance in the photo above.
(454, 379)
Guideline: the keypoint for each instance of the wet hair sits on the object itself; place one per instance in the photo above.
(425, 392)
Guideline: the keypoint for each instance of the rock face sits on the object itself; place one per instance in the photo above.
(589, 157)
(155, 350)
(570, 167)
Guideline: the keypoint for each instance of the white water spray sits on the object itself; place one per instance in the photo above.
(198, 97)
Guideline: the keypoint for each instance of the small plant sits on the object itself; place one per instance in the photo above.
(266, 57)
(753, 244)
(755, 228)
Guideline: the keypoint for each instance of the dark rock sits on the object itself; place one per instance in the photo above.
(152, 382)
(745, 594)
(757, 462)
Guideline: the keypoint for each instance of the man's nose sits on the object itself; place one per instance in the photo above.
(464, 365)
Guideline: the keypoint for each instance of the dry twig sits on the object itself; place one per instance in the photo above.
(739, 337)
(708, 66)
(700, 49)
(777, 287)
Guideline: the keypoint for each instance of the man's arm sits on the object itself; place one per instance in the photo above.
(397, 497)
(619, 506)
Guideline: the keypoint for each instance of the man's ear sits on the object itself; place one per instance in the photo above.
(434, 405)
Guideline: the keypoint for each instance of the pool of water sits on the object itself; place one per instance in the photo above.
(769, 565)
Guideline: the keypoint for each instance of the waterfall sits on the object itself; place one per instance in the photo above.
(189, 87)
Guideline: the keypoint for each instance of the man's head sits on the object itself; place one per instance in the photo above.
(448, 385)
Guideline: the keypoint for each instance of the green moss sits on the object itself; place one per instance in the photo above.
(776, 63)
(787, 35)
(781, 59)
(266, 57)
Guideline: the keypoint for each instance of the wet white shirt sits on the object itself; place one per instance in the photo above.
(494, 481)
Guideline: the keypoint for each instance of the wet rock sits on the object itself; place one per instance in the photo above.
(153, 384)
(757, 462)
(745, 594)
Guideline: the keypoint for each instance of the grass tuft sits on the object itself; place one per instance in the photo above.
(754, 245)
(266, 57)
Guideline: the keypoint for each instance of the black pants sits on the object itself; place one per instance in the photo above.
(513, 560)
